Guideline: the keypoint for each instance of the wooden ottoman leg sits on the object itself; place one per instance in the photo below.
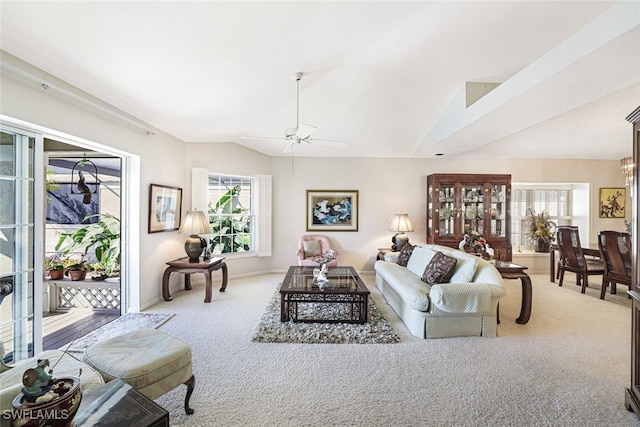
(191, 383)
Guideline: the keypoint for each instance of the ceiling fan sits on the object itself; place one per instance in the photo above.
(301, 132)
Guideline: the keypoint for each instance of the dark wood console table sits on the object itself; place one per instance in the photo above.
(205, 266)
(510, 270)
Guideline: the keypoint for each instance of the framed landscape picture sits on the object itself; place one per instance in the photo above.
(332, 210)
(165, 208)
(612, 202)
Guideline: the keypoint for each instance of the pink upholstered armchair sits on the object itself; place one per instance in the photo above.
(311, 245)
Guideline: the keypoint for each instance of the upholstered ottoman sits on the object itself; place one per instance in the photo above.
(150, 361)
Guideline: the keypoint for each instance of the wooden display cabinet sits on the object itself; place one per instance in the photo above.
(481, 201)
(632, 394)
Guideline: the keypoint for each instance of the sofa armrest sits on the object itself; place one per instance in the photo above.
(465, 297)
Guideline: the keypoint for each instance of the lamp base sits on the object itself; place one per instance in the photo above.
(193, 248)
(400, 239)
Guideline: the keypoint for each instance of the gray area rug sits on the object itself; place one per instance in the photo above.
(123, 324)
(271, 330)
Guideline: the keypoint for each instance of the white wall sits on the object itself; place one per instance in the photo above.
(389, 186)
(161, 160)
(386, 186)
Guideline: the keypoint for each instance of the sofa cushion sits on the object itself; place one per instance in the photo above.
(440, 269)
(311, 248)
(420, 258)
(409, 288)
(465, 266)
(392, 256)
(405, 254)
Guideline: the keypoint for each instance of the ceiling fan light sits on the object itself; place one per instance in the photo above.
(290, 133)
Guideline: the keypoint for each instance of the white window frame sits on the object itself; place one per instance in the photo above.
(576, 214)
(260, 207)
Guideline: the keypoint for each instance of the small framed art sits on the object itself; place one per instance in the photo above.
(165, 208)
(612, 202)
(332, 210)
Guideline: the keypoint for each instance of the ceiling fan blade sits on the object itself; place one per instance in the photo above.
(305, 131)
(289, 148)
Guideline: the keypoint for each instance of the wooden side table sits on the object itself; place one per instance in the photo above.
(510, 270)
(205, 266)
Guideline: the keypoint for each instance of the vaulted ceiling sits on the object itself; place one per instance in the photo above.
(519, 79)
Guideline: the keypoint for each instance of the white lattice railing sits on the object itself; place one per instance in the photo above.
(99, 296)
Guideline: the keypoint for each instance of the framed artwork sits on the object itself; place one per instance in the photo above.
(612, 202)
(165, 208)
(65, 207)
(332, 210)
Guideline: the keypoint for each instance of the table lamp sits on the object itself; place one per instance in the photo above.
(195, 222)
(400, 223)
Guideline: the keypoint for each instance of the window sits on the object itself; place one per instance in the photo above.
(231, 214)
(556, 199)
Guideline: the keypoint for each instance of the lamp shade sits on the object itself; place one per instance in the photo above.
(195, 222)
(401, 223)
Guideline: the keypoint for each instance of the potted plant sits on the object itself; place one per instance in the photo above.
(54, 266)
(540, 230)
(76, 268)
(103, 238)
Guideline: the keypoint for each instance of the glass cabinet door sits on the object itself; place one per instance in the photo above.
(472, 208)
(446, 210)
(498, 210)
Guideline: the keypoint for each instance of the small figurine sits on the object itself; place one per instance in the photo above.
(37, 381)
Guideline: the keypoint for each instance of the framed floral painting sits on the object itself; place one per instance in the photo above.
(332, 210)
(612, 202)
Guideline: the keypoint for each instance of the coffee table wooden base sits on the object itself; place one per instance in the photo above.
(289, 307)
(344, 287)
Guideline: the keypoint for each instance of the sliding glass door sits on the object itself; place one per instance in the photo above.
(19, 292)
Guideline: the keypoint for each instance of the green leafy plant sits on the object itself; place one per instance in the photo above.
(102, 237)
(230, 229)
(53, 263)
(76, 264)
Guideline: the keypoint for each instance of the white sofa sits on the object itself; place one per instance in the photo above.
(466, 306)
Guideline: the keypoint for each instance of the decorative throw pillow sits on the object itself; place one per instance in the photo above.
(439, 269)
(311, 248)
(405, 254)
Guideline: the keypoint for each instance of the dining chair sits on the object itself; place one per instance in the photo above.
(615, 250)
(574, 259)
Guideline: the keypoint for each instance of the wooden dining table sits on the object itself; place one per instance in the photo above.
(590, 250)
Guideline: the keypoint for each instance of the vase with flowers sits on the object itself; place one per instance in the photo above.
(540, 230)
(322, 261)
(474, 242)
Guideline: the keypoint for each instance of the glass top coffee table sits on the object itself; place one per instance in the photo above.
(343, 299)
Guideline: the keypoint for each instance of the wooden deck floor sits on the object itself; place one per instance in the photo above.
(60, 329)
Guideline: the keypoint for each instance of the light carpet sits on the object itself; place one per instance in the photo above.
(375, 331)
(569, 366)
(123, 324)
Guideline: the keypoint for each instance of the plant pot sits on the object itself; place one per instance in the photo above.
(542, 246)
(77, 274)
(56, 274)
